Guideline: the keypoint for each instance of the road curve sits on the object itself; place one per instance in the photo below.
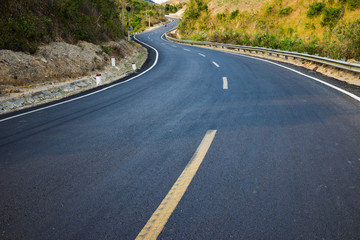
(284, 162)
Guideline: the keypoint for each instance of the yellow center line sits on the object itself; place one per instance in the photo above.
(157, 221)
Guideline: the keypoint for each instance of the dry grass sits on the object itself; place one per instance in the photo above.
(174, 2)
(219, 6)
(259, 19)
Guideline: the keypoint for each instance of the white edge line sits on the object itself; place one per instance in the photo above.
(215, 64)
(357, 98)
(89, 94)
(305, 75)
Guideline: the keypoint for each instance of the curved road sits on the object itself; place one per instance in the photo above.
(282, 158)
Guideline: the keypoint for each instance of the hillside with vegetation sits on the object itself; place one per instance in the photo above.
(56, 41)
(25, 24)
(328, 28)
(141, 12)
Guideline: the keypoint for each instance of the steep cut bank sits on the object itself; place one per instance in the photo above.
(61, 70)
(57, 46)
(60, 62)
(26, 24)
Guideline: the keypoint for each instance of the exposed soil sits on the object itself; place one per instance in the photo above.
(60, 62)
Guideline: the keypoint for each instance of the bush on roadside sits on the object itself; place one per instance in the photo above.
(315, 9)
(25, 24)
(285, 11)
(331, 16)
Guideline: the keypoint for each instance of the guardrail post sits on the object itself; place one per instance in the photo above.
(256, 52)
(286, 57)
(238, 49)
(277, 55)
(270, 54)
(249, 51)
(113, 61)
(98, 79)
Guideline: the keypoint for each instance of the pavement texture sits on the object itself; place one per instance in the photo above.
(284, 163)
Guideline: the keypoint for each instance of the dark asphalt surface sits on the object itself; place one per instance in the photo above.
(284, 164)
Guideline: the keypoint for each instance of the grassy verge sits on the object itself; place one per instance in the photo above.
(328, 28)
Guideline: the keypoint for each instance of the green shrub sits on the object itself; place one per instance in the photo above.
(194, 9)
(25, 24)
(106, 50)
(349, 36)
(234, 14)
(310, 26)
(290, 30)
(312, 47)
(353, 4)
(269, 10)
(285, 11)
(331, 16)
(170, 8)
(315, 9)
(221, 16)
(25, 32)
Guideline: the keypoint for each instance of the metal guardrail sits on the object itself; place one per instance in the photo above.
(353, 67)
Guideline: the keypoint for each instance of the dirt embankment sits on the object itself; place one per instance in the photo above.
(60, 69)
(56, 62)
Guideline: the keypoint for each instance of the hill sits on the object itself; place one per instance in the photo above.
(329, 28)
(175, 2)
(25, 24)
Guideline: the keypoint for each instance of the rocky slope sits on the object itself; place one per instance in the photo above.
(59, 69)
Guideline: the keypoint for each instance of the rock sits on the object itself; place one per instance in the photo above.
(38, 95)
(35, 98)
(10, 105)
(44, 60)
(46, 92)
(4, 109)
(66, 89)
(30, 100)
(82, 84)
(22, 100)
(17, 104)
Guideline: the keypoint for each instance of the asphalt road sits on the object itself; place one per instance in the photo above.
(284, 163)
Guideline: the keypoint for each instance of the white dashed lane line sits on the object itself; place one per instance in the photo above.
(202, 55)
(217, 65)
(225, 83)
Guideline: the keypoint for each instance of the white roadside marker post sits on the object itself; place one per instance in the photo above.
(134, 66)
(98, 79)
(113, 61)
